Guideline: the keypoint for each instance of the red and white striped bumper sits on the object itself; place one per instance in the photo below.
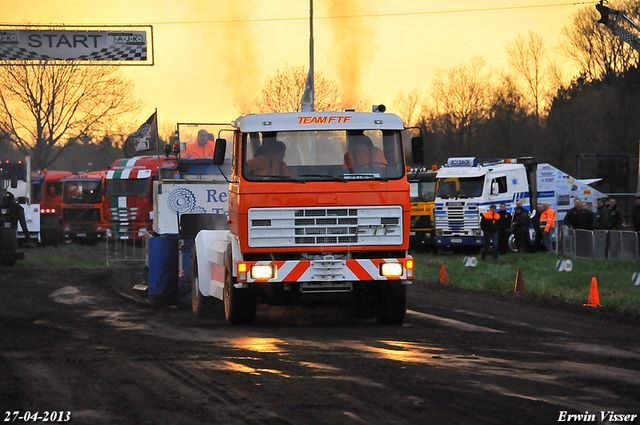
(325, 270)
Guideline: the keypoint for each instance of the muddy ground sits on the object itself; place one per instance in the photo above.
(80, 342)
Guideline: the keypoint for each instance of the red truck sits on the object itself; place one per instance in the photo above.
(129, 195)
(83, 206)
(47, 191)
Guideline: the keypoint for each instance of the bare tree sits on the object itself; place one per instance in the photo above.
(461, 98)
(407, 106)
(527, 55)
(46, 107)
(593, 47)
(283, 93)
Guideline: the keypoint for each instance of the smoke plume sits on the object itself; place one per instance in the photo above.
(353, 46)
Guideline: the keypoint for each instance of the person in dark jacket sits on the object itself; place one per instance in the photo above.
(635, 214)
(505, 228)
(586, 218)
(16, 214)
(490, 225)
(520, 227)
(617, 218)
(602, 220)
(572, 217)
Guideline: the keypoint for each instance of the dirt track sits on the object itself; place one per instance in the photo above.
(71, 342)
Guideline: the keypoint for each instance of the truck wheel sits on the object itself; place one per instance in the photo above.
(512, 243)
(392, 304)
(201, 305)
(239, 304)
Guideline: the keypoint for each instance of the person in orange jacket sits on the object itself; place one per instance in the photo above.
(547, 225)
(269, 161)
(490, 225)
(202, 148)
(363, 154)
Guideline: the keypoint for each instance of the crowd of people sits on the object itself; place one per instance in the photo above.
(497, 226)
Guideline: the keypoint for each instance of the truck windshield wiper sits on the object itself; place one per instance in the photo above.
(326, 176)
(364, 176)
(280, 178)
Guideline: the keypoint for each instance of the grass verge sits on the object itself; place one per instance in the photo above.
(539, 274)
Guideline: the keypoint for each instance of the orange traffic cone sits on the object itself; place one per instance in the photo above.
(594, 298)
(519, 281)
(443, 274)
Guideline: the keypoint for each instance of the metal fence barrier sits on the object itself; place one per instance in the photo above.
(125, 248)
(599, 244)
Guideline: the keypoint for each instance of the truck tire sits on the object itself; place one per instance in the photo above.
(392, 304)
(202, 306)
(239, 304)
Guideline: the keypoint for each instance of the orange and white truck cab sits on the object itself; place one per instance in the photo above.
(319, 208)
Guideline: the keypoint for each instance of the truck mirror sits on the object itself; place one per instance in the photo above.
(219, 151)
(52, 192)
(494, 188)
(417, 150)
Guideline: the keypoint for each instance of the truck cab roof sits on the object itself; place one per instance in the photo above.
(302, 121)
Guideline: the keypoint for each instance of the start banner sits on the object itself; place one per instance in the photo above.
(84, 45)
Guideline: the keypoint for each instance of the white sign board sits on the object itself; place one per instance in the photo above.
(84, 45)
(174, 199)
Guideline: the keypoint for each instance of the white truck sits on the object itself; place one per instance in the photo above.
(18, 172)
(467, 187)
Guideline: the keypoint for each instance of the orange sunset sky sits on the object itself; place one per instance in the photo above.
(211, 56)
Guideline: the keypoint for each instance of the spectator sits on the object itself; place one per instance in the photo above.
(520, 227)
(571, 218)
(536, 225)
(602, 219)
(617, 218)
(585, 218)
(635, 214)
(204, 147)
(16, 215)
(505, 228)
(547, 225)
(490, 225)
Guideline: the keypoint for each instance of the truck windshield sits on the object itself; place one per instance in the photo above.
(82, 192)
(127, 187)
(423, 191)
(323, 155)
(460, 187)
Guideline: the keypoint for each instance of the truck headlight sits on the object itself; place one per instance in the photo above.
(391, 269)
(261, 272)
(477, 232)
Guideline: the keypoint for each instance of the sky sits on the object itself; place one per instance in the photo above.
(213, 56)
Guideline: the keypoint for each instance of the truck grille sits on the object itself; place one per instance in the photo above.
(285, 227)
(124, 214)
(457, 221)
(81, 214)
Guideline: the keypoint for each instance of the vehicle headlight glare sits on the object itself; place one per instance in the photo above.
(260, 272)
(391, 269)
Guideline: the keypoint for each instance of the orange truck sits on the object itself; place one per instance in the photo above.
(319, 209)
(83, 207)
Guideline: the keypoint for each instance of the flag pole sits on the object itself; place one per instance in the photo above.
(311, 70)
(157, 143)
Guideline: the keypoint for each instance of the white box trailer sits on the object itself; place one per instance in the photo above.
(467, 187)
